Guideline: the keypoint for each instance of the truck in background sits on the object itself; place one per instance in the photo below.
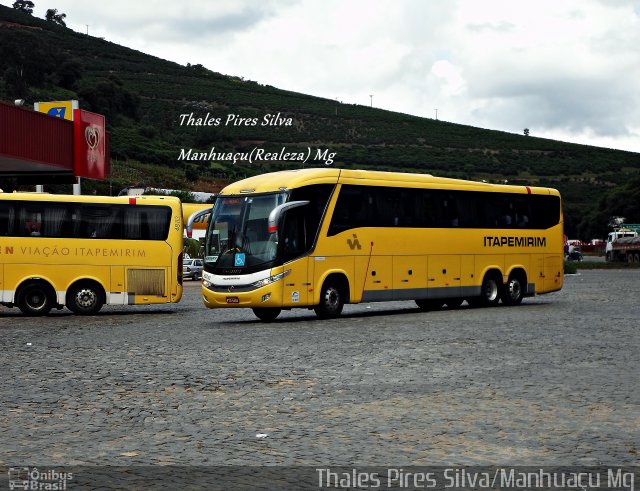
(623, 244)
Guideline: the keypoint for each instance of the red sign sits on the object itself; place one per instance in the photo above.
(89, 145)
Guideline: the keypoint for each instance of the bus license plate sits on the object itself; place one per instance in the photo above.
(233, 300)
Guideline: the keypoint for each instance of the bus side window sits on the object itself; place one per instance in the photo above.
(451, 212)
(56, 222)
(522, 215)
(428, 215)
(352, 210)
(294, 237)
(7, 218)
(29, 219)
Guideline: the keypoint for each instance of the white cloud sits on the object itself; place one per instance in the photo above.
(450, 76)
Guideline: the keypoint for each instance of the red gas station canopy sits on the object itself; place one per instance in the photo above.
(38, 148)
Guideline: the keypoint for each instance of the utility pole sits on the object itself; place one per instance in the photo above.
(371, 96)
(436, 110)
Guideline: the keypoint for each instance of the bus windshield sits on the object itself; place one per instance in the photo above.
(238, 234)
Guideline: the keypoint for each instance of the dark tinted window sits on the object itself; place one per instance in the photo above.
(301, 225)
(365, 206)
(80, 220)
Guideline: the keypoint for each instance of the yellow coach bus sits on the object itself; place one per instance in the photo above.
(85, 251)
(320, 238)
(201, 221)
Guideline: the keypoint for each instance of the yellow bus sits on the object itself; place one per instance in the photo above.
(320, 238)
(87, 251)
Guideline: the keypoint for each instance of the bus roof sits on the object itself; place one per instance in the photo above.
(71, 198)
(291, 179)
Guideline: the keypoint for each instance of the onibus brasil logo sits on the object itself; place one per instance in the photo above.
(30, 478)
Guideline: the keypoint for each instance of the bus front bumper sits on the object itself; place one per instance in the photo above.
(263, 292)
(267, 296)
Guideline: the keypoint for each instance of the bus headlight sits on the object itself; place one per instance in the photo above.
(270, 279)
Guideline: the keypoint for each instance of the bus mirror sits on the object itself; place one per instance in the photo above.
(278, 211)
(193, 218)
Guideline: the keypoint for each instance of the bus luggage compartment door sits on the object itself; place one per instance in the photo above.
(409, 274)
(378, 283)
(443, 276)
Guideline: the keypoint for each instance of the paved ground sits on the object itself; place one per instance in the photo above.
(553, 381)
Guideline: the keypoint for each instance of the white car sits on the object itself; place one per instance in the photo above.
(192, 268)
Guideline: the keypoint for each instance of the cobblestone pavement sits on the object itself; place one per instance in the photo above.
(553, 381)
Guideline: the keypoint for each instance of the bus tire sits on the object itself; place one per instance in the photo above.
(332, 299)
(85, 298)
(429, 304)
(513, 290)
(35, 298)
(490, 290)
(267, 314)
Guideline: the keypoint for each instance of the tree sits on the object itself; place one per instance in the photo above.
(623, 201)
(25, 6)
(526, 132)
(52, 15)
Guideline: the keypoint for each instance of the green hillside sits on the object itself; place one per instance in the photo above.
(143, 98)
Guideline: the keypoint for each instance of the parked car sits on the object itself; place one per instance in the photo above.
(192, 268)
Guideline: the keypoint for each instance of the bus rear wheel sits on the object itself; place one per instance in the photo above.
(332, 299)
(267, 314)
(513, 290)
(36, 299)
(85, 299)
(489, 292)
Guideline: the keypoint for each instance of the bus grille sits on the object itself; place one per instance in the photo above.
(146, 281)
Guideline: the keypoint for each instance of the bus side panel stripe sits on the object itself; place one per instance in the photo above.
(377, 295)
(420, 293)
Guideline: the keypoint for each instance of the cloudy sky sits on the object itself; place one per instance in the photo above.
(568, 70)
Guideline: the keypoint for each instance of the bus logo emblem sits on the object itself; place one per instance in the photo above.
(354, 243)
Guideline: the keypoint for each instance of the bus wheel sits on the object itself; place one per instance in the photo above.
(331, 301)
(35, 299)
(85, 298)
(425, 304)
(490, 290)
(513, 291)
(267, 314)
